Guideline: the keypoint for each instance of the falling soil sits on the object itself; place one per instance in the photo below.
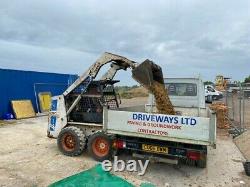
(163, 103)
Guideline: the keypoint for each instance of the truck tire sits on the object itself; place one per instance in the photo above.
(201, 163)
(209, 99)
(247, 168)
(71, 141)
(206, 99)
(100, 146)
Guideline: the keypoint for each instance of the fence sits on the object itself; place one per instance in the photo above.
(238, 102)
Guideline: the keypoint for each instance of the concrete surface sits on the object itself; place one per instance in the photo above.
(243, 143)
(29, 158)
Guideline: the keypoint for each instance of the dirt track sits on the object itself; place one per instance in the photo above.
(29, 158)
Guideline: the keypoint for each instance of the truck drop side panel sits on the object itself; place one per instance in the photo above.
(183, 129)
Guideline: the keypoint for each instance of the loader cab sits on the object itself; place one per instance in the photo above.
(90, 108)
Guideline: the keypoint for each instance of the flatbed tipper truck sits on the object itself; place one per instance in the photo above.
(167, 138)
(88, 116)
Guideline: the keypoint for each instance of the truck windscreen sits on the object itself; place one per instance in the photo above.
(181, 89)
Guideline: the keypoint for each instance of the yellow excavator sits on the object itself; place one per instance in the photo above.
(221, 82)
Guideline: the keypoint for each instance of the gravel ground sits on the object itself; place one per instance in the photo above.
(29, 158)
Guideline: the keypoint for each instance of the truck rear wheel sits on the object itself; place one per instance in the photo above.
(71, 141)
(247, 168)
(215, 98)
(100, 146)
(202, 163)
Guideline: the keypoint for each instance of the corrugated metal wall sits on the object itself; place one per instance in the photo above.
(17, 84)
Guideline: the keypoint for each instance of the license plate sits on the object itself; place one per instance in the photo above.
(154, 148)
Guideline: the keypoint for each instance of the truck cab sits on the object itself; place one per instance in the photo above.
(186, 95)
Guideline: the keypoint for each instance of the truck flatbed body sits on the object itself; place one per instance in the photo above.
(176, 128)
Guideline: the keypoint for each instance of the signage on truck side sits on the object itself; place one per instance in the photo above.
(159, 124)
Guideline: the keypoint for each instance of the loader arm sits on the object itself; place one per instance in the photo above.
(145, 73)
(119, 63)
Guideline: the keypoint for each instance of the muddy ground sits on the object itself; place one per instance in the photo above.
(29, 158)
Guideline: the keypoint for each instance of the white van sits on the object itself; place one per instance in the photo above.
(212, 94)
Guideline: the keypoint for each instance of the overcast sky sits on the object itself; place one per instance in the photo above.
(186, 38)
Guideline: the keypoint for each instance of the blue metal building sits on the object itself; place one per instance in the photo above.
(17, 85)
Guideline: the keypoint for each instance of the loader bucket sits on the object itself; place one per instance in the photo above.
(147, 72)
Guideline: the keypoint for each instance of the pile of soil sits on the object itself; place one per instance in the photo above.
(221, 113)
(163, 103)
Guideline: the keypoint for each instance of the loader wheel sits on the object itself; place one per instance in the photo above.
(100, 146)
(71, 141)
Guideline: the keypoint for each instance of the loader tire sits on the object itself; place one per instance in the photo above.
(71, 141)
(100, 146)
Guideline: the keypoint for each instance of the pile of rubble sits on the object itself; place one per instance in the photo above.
(221, 113)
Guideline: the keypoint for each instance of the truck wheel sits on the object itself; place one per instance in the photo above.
(100, 146)
(201, 163)
(247, 168)
(71, 141)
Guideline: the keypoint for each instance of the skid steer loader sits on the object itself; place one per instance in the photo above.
(76, 116)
